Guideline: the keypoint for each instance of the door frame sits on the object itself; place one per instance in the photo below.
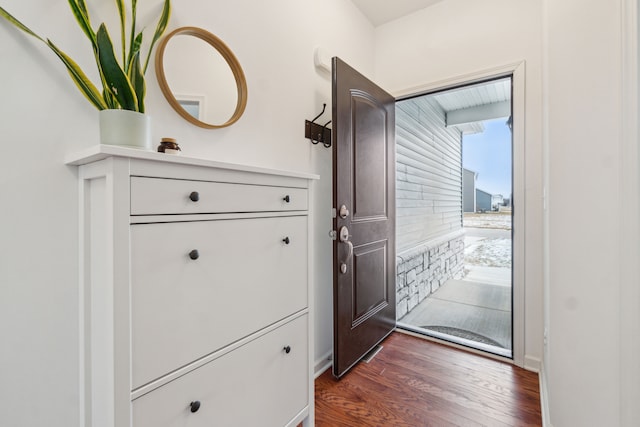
(517, 73)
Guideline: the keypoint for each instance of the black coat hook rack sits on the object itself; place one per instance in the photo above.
(316, 132)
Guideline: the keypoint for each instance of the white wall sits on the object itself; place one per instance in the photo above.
(43, 117)
(592, 301)
(455, 38)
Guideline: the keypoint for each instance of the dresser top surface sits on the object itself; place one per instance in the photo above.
(100, 152)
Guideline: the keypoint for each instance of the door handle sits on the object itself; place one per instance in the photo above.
(344, 238)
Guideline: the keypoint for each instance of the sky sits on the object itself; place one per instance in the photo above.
(489, 154)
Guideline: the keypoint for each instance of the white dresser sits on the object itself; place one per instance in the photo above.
(195, 292)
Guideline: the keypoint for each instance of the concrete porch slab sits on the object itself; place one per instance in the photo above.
(479, 308)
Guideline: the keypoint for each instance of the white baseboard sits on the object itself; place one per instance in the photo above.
(322, 364)
(532, 364)
(544, 398)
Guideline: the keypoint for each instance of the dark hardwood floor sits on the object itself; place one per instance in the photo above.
(415, 382)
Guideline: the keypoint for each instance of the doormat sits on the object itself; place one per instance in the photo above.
(461, 333)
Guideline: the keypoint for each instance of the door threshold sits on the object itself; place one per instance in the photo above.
(461, 343)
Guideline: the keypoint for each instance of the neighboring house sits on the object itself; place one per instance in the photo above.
(469, 179)
(496, 201)
(483, 200)
(475, 199)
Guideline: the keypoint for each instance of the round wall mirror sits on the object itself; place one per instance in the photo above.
(201, 78)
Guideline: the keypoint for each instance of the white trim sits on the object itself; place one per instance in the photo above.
(544, 388)
(323, 363)
(517, 71)
(464, 79)
(544, 398)
(519, 209)
(629, 219)
(533, 364)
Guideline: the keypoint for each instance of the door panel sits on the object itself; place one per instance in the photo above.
(370, 160)
(370, 294)
(364, 182)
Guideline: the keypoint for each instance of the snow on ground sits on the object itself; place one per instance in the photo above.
(500, 220)
(487, 251)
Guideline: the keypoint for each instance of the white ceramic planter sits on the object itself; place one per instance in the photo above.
(126, 128)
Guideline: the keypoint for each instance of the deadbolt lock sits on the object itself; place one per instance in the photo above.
(344, 212)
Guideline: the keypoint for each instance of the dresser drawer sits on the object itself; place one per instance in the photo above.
(258, 384)
(156, 196)
(245, 278)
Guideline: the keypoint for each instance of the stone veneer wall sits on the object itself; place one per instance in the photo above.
(423, 269)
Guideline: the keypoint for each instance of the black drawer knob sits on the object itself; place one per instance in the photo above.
(287, 349)
(194, 254)
(194, 196)
(286, 240)
(287, 198)
(195, 405)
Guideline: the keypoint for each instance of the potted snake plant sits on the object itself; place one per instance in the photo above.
(121, 99)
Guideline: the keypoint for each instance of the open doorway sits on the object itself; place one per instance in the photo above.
(454, 216)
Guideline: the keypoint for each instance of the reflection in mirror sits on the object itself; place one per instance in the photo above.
(195, 108)
(192, 104)
(201, 78)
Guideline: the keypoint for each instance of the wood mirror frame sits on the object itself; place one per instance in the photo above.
(228, 56)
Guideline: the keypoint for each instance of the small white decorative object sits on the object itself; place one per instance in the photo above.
(322, 59)
(126, 128)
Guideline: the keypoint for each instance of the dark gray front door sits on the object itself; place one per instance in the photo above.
(364, 198)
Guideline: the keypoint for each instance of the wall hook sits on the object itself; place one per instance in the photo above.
(317, 133)
(324, 107)
(327, 144)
